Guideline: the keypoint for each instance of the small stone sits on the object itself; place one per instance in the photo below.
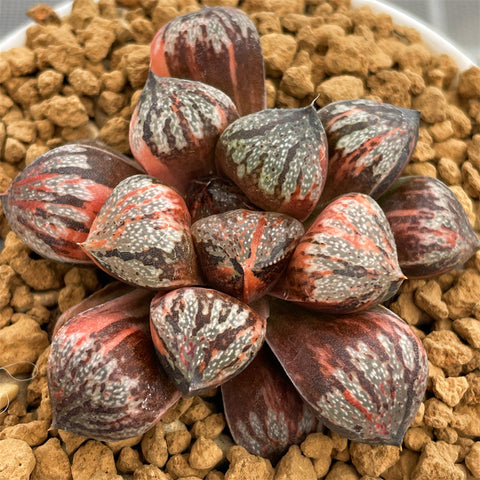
(137, 64)
(8, 392)
(429, 299)
(34, 433)
(92, 457)
(452, 148)
(154, 446)
(116, 446)
(84, 82)
(21, 344)
(244, 466)
(198, 410)
(66, 111)
(51, 462)
(317, 445)
(178, 466)
(447, 434)
(449, 171)
(404, 306)
(128, 460)
(472, 460)
(204, 454)
(16, 459)
(437, 414)
(178, 441)
(466, 420)
(294, 466)
(373, 459)
(450, 390)
(342, 471)
(435, 464)
(341, 87)
(278, 52)
(416, 438)
(432, 105)
(446, 350)
(441, 130)
(150, 472)
(210, 427)
(469, 84)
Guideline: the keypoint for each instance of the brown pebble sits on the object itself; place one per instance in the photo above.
(466, 420)
(469, 84)
(22, 343)
(341, 87)
(178, 441)
(244, 466)
(432, 105)
(128, 460)
(373, 459)
(16, 459)
(115, 133)
(178, 466)
(445, 350)
(342, 471)
(137, 63)
(294, 466)
(199, 409)
(434, 463)
(34, 433)
(92, 457)
(450, 390)
(150, 472)
(66, 111)
(416, 438)
(210, 427)
(51, 462)
(154, 446)
(429, 299)
(317, 445)
(204, 454)
(437, 413)
(464, 295)
(472, 460)
(278, 52)
(449, 171)
(84, 82)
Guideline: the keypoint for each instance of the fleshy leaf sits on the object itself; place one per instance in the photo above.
(142, 236)
(52, 203)
(347, 260)
(264, 412)
(364, 374)
(175, 126)
(103, 376)
(204, 337)
(278, 157)
(370, 143)
(243, 252)
(430, 226)
(219, 46)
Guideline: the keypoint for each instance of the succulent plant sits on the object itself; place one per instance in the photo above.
(346, 362)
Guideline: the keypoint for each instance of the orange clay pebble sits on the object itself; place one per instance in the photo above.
(51, 461)
(16, 458)
(373, 459)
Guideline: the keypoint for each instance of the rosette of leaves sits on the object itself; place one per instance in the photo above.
(324, 345)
